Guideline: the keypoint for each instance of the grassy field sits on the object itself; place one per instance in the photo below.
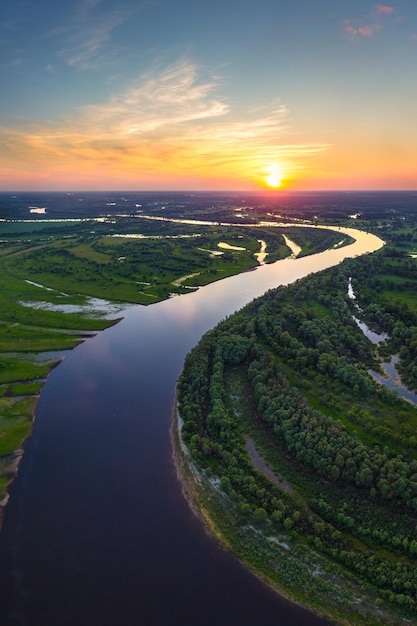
(140, 270)
(26, 332)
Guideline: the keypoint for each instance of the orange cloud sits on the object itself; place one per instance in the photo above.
(168, 126)
(366, 30)
(355, 27)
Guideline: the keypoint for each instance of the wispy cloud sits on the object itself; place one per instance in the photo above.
(158, 101)
(368, 25)
(365, 30)
(11, 60)
(171, 122)
(10, 55)
(384, 9)
(85, 7)
(11, 52)
(85, 44)
(87, 36)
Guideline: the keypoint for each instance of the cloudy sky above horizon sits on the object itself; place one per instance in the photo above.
(159, 94)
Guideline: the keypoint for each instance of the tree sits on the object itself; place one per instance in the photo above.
(260, 515)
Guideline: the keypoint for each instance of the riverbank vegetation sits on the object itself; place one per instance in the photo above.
(31, 344)
(145, 261)
(306, 466)
(51, 270)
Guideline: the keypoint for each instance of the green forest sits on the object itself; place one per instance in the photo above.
(301, 463)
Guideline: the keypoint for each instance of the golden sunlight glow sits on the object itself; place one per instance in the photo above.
(274, 177)
(168, 131)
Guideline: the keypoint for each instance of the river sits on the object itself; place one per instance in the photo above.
(97, 531)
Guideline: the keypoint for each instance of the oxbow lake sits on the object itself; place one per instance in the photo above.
(97, 531)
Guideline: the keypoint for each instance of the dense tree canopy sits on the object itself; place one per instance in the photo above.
(298, 363)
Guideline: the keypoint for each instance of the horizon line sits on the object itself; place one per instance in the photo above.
(214, 191)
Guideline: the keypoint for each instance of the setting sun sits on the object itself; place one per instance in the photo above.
(274, 177)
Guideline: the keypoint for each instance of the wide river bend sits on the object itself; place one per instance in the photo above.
(97, 532)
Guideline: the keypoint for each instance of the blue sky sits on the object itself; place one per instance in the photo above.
(181, 94)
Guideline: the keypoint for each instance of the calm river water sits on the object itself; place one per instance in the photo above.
(97, 532)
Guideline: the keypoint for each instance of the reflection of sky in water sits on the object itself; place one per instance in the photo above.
(140, 236)
(393, 381)
(45, 357)
(91, 306)
(295, 250)
(221, 298)
(372, 336)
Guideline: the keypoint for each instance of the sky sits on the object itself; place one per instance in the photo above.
(219, 95)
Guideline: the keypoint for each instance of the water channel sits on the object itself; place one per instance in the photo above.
(391, 378)
(97, 532)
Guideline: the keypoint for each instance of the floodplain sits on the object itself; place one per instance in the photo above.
(67, 272)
